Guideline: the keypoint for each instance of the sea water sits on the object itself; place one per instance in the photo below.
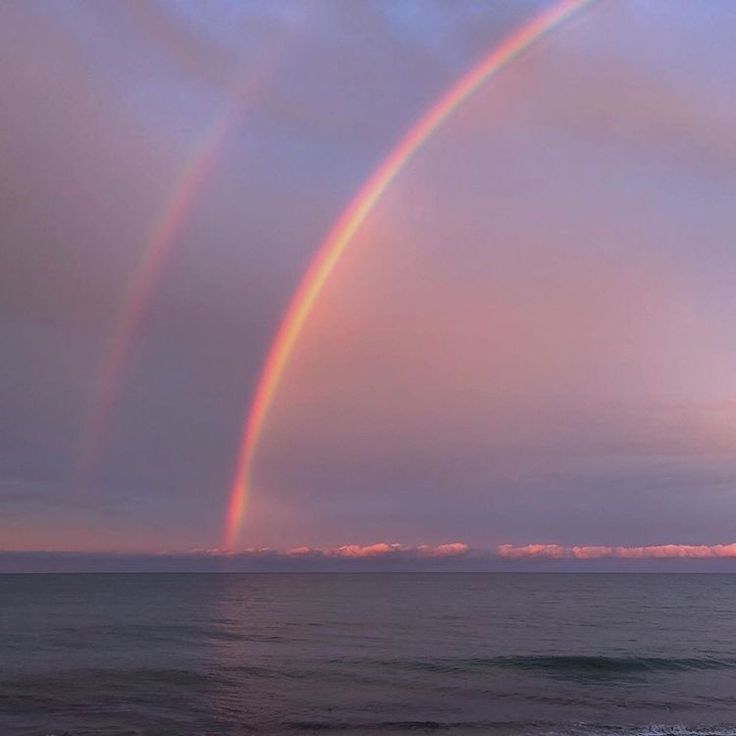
(366, 653)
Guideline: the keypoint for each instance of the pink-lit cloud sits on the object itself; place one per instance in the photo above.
(592, 552)
(347, 551)
(395, 550)
(382, 549)
(382, 556)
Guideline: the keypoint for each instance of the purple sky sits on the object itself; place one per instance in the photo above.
(529, 341)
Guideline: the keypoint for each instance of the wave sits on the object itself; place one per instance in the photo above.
(587, 663)
(574, 664)
(511, 728)
(501, 728)
(664, 730)
(400, 726)
(655, 729)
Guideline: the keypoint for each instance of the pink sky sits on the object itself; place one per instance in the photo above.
(530, 338)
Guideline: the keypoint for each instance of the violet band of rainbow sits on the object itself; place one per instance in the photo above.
(343, 230)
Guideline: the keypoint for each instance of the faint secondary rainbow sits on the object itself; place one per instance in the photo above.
(159, 243)
(158, 246)
(345, 227)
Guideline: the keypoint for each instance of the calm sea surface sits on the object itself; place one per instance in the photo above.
(358, 654)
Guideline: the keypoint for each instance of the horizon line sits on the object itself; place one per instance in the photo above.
(455, 551)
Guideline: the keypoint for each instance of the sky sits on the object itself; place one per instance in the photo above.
(525, 353)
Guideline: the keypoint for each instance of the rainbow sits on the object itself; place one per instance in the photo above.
(344, 229)
(157, 249)
(159, 243)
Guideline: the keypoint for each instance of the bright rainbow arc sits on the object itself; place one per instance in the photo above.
(345, 227)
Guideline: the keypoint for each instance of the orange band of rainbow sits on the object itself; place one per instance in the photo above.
(345, 227)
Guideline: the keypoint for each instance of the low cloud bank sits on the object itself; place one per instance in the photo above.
(352, 551)
(502, 551)
(388, 557)
(650, 552)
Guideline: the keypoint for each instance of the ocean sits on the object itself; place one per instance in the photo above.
(504, 654)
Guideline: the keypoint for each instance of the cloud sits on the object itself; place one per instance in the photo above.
(384, 557)
(376, 550)
(452, 549)
(396, 552)
(353, 551)
(382, 549)
(592, 552)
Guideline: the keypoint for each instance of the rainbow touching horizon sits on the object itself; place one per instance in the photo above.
(158, 246)
(341, 233)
